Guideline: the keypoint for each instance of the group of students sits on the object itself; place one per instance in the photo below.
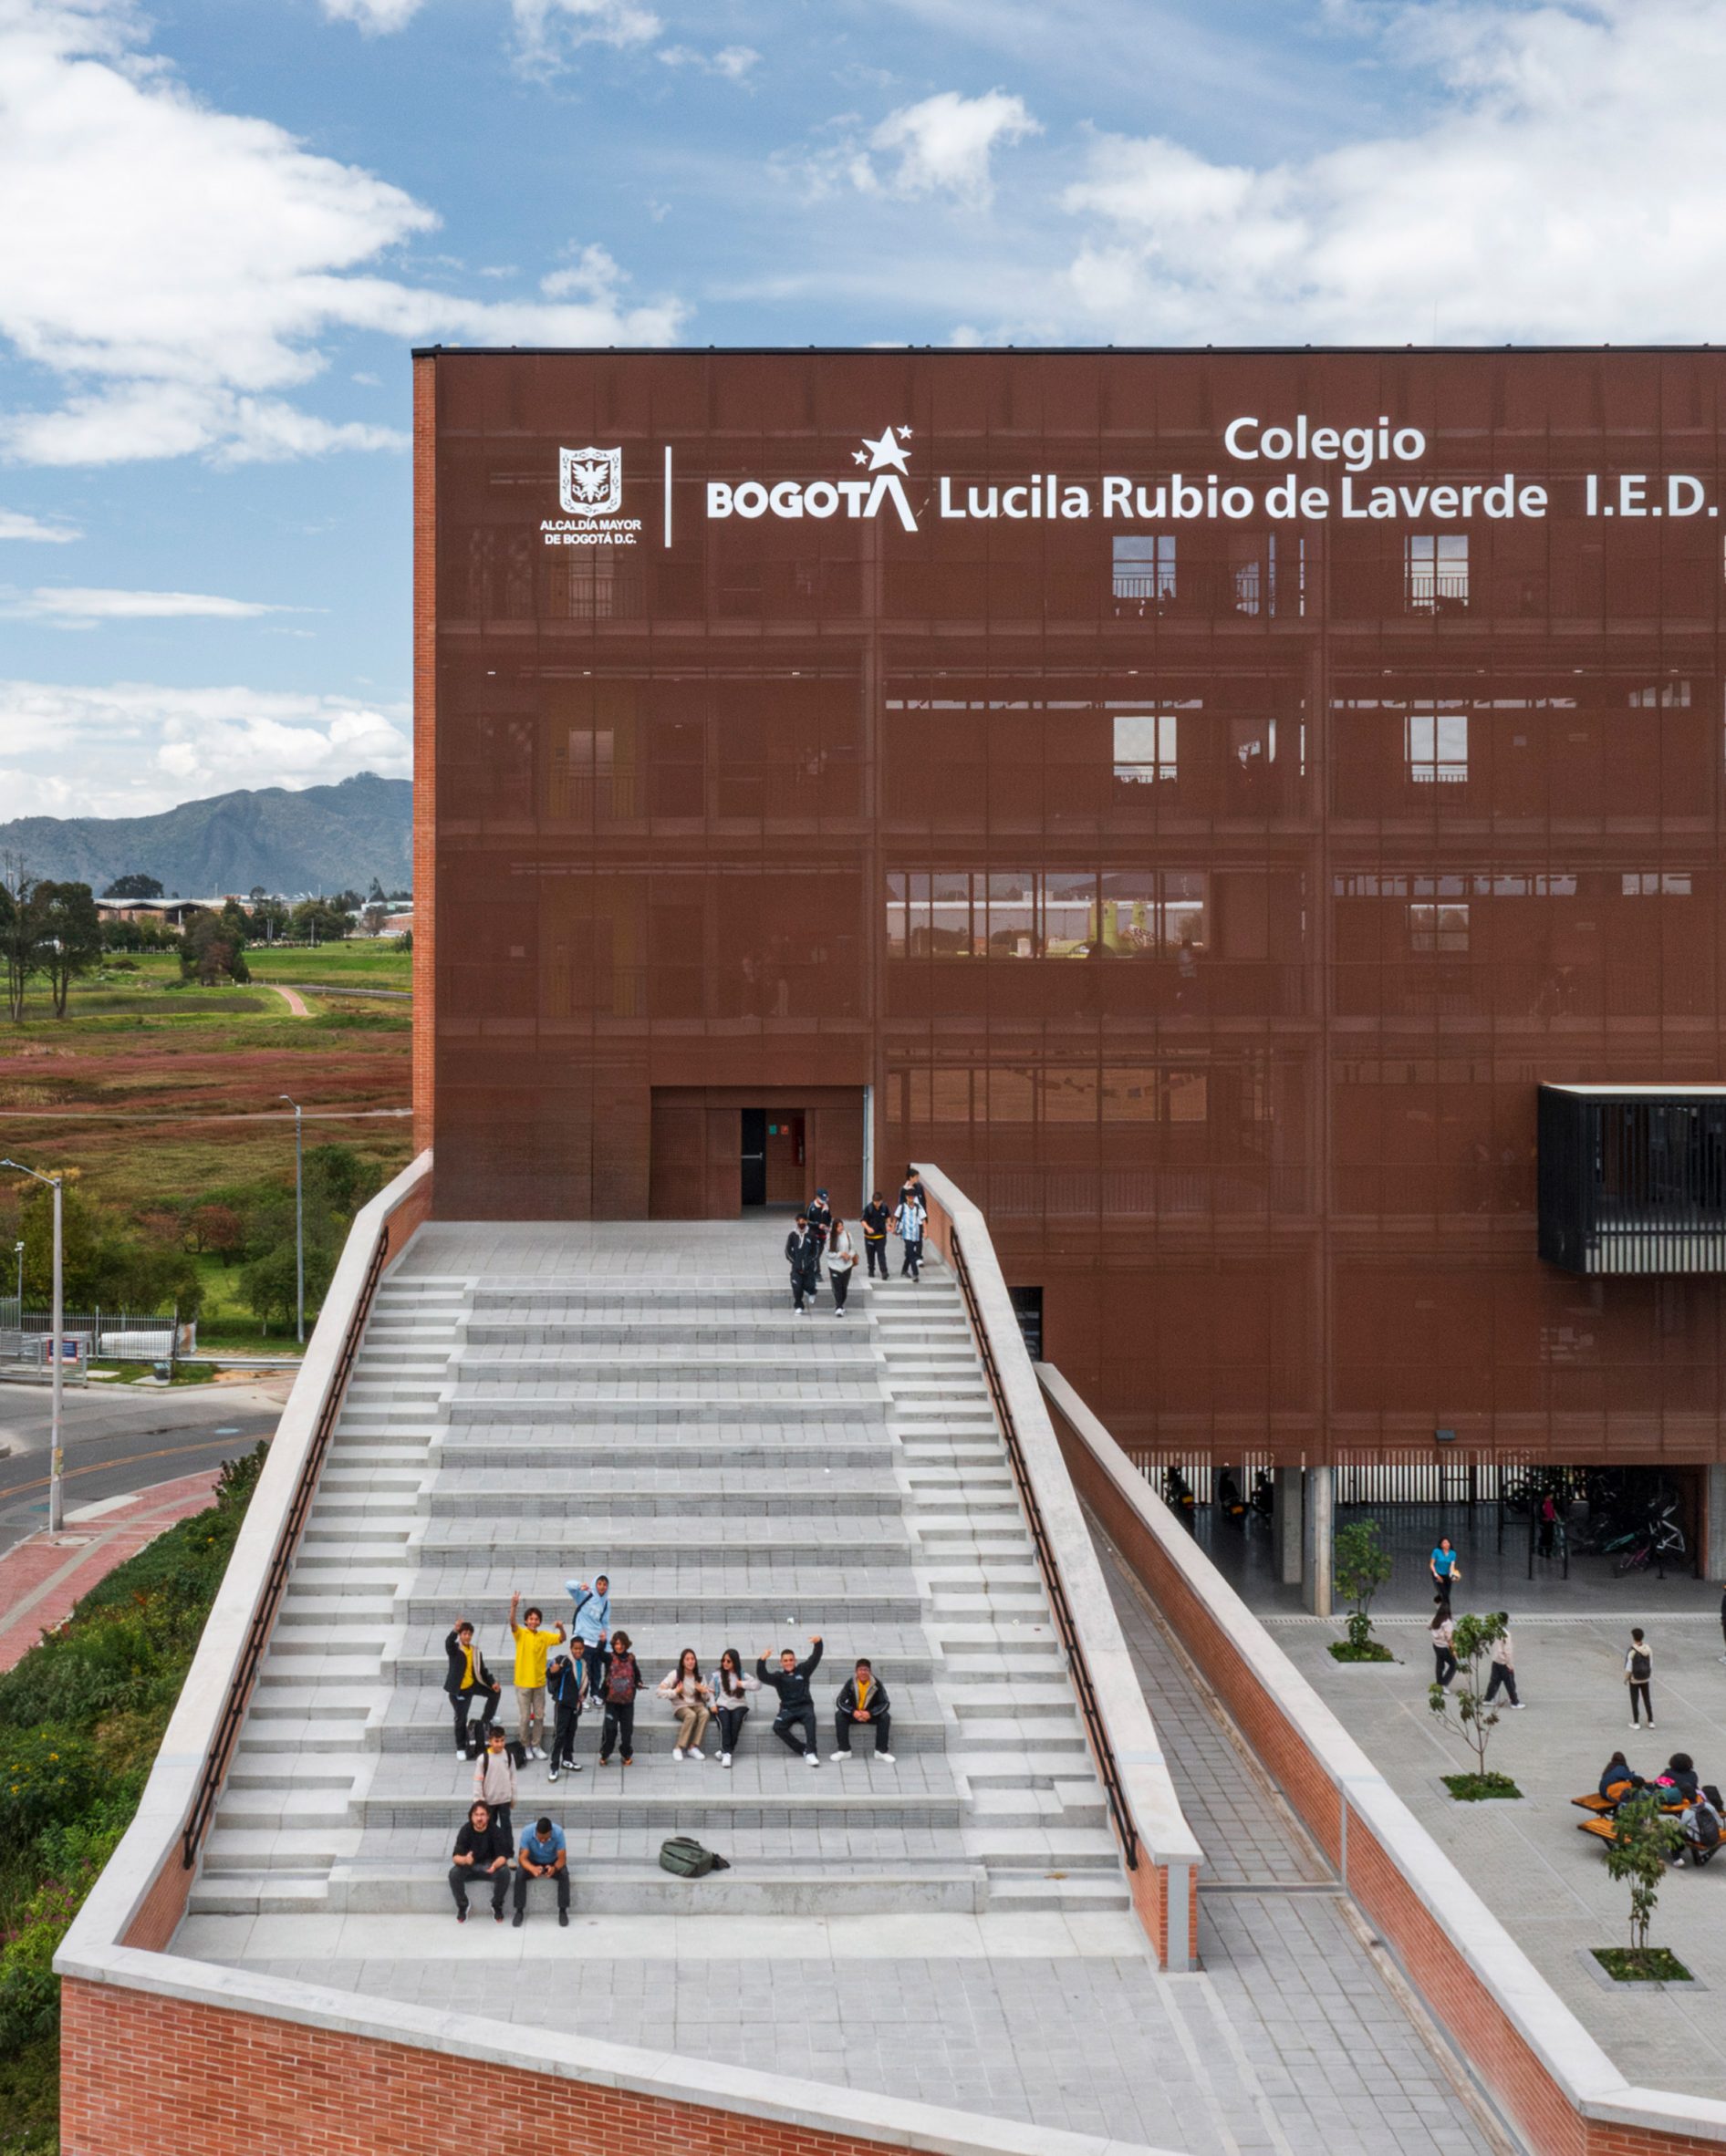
(1447, 1571)
(553, 1685)
(819, 1233)
(1678, 1785)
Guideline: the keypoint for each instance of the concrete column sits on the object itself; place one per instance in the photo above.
(1320, 1529)
(1285, 1524)
(1714, 1498)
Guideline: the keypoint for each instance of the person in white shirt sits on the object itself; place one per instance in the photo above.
(841, 1263)
(1504, 1666)
(908, 1225)
(731, 1687)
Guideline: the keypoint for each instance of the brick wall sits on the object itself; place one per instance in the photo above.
(1459, 2000)
(425, 764)
(147, 2076)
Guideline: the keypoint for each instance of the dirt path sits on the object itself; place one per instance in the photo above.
(291, 997)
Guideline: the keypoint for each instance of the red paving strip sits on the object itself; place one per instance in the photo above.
(42, 1577)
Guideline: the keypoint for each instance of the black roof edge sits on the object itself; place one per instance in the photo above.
(1028, 351)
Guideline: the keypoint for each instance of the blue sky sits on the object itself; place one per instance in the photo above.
(223, 224)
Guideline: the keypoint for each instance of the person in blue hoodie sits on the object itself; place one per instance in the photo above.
(591, 1628)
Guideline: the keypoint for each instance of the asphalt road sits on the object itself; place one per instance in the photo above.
(119, 1440)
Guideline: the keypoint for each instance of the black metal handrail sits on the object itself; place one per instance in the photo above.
(216, 1762)
(1078, 1668)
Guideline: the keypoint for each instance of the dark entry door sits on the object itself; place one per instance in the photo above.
(754, 1190)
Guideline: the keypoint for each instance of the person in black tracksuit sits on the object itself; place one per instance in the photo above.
(796, 1702)
(564, 1695)
(877, 1219)
(820, 1220)
(803, 1255)
(466, 1680)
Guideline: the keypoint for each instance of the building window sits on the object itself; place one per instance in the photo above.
(1144, 571)
(1438, 928)
(1435, 747)
(1146, 748)
(1436, 571)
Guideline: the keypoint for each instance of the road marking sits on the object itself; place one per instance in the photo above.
(102, 1505)
(166, 1451)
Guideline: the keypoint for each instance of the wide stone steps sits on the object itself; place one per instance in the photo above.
(746, 1476)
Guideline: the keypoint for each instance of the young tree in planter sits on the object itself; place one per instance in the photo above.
(1472, 1646)
(1360, 1565)
(1637, 1853)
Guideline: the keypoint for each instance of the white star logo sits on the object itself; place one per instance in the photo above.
(887, 450)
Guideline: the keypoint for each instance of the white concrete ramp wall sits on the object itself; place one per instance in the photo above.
(1162, 1852)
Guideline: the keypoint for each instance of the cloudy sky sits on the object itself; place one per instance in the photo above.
(222, 222)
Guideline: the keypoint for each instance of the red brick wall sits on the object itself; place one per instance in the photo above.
(1459, 2000)
(146, 2076)
(425, 763)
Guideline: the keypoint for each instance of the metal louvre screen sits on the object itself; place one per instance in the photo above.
(1633, 1182)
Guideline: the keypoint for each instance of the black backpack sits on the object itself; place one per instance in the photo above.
(1641, 1667)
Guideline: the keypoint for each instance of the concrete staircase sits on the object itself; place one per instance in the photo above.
(746, 1478)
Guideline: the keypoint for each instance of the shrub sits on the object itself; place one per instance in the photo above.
(46, 1775)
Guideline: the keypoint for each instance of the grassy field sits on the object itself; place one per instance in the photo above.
(367, 965)
(154, 1091)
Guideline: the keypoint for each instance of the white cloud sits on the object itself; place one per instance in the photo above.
(16, 525)
(179, 267)
(731, 61)
(1566, 188)
(133, 748)
(378, 18)
(943, 144)
(86, 604)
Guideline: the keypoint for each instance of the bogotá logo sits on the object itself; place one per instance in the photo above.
(590, 481)
(590, 490)
(884, 461)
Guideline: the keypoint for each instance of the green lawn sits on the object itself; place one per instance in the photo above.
(365, 965)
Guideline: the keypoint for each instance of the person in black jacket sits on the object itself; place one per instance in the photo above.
(821, 1218)
(803, 1254)
(482, 1852)
(863, 1704)
(466, 1680)
(877, 1219)
(565, 1692)
(796, 1703)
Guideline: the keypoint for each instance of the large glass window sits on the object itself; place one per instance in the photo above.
(1436, 571)
(1435, 746)
(1144, 565)
(1146, 748)
(1444, 928)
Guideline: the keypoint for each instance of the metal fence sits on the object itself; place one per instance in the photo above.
(120, 1336)
(1358, 1482)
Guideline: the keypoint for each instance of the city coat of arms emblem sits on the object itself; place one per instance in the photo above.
(591, 480)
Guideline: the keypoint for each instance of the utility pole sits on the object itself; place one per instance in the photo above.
(299, 1215)
(57, 1457)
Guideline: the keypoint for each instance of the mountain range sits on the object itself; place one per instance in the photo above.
(321, 838)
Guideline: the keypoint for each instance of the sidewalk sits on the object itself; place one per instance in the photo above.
(42, 1578)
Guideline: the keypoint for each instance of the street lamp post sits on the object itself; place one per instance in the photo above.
(18, 1251)
(56, 1457)
(300, 1215)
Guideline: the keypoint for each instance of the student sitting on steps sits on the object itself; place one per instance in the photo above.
(863, 1704)
(796, 1702)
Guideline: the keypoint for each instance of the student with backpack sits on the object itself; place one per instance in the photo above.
(1638, 1667)
(533, 1644)
(1618, 1774)
(732, 1686)
(592, 1626)
(908, 1225)
(494, 1783)
(544, 1855)
(467, 1679)
(803, 1255)
(875, 1220)
(796, 1702)
(565, 1690)
(622, 1682)
(482, 1852)
(1701, 1824)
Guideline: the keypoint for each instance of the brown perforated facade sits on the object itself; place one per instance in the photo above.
(1200, 796)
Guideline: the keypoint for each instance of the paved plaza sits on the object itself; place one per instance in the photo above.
(1543, 1878)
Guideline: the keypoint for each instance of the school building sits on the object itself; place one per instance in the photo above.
(1253, 817)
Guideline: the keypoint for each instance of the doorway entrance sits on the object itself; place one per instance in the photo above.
(722, 1150)
(775, 1156)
